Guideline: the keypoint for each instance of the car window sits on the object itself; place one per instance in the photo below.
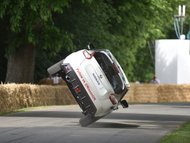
(110, 71)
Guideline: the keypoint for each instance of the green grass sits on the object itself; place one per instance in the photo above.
(181, 135)
(7, 113)
(22, 110)
(28, 109)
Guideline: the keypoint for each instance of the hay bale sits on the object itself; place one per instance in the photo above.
(51, 95)
(3, 99)
(158, 93)
(142, 93)
(130, 94)
(15, 96)
(66, 98)
(49, 81)
(42, 95)
(184, 92)
(171, 93)
(146, 93)
(9, 93)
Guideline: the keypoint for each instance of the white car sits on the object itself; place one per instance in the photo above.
(96, 80)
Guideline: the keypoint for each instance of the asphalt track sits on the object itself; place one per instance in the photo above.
(140, 123)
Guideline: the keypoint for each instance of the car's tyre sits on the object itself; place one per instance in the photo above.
(87, 120)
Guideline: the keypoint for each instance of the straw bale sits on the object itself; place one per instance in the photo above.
(158, 93)
(185, 92)
(172, 93)
(130, 94)
(146, 93)
(49, 81)
(9, 102)
(142, 93)
(3, 98)
(15, 96)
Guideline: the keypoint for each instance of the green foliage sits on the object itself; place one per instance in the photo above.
(125, 27)
(31, 22)
(141, 22)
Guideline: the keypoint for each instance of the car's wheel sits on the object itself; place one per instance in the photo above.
(87, 120)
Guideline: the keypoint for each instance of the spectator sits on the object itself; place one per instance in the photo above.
(155, 80)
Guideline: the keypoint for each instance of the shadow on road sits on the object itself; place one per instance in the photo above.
(123, 116)
(48, 114)
(112, 125)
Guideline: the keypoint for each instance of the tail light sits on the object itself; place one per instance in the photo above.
(113, 99)
(87, 54)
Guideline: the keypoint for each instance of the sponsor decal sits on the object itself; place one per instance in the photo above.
(96, 79)
(85, 84)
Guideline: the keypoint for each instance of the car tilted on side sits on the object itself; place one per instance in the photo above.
(96, 80)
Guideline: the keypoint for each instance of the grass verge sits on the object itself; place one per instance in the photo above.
(7, 113)
(24, 110)
(181, 135)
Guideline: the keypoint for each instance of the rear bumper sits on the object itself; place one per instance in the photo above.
(78, 91)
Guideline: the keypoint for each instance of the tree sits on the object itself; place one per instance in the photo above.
(30, 26)
(126, 27)
(140, 24)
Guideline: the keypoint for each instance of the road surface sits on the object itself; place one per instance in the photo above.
(144, 123)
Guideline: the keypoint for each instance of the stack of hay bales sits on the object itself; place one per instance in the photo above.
(158, 93)
(15, 96)
(174, 93)
(142, 93)
(49, 81)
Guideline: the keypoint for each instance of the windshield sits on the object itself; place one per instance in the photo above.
(110, 71)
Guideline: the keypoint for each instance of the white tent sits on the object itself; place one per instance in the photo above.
(172, 61)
